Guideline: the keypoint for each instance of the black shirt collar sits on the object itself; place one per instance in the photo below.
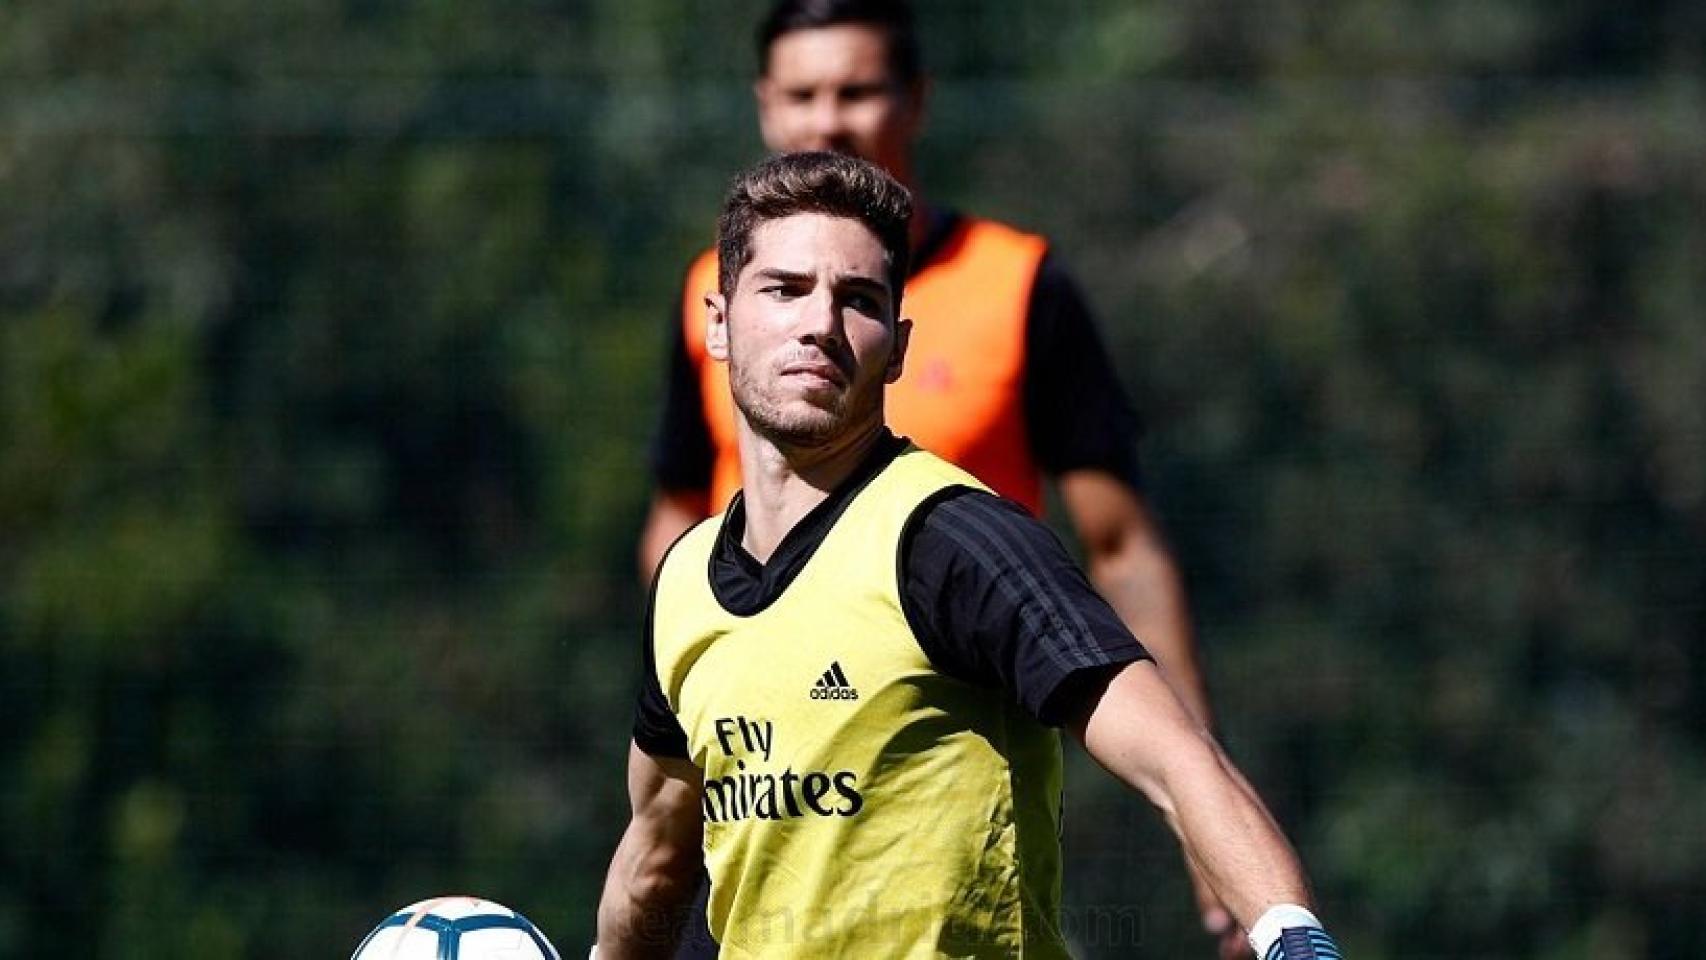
(746, 587)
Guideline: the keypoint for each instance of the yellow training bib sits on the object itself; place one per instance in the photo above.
(857, 801)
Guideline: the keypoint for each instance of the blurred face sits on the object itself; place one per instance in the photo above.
(831, 89)
(809, 333)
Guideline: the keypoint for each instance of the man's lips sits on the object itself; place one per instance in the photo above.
(821, 369)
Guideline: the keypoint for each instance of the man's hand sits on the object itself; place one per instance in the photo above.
(1229, 939)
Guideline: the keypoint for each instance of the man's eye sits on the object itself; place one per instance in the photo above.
(864, 303)
(861, 94)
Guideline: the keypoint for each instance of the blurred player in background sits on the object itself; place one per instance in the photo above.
(853, 675)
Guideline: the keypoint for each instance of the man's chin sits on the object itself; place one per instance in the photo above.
(803, 425)
(800, 435)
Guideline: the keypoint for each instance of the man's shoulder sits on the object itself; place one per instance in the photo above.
(989, 232)
(981, 245)
(700, 275)
(973, 504)
(704, 262)
(692, 549)
(930, 471)
(997, 228)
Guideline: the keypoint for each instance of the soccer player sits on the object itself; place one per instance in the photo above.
(854, 674)
(1009, 378)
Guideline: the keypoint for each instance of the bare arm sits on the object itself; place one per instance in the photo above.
(671, 514)
(655, 870)
(1139, 731)
(1132, 568)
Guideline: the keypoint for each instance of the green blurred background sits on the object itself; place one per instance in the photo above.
(330, 341)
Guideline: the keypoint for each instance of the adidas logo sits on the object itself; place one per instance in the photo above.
(834, 685)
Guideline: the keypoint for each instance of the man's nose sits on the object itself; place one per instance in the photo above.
(820, 318)
(828, 121)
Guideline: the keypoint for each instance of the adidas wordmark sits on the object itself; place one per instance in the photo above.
(834, 685)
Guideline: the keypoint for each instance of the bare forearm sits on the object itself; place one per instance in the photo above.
(1141, 733)
(1229, 835)
(656, 865)
(645, 894)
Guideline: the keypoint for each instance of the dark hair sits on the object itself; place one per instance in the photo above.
(815, 182)
(894, 17)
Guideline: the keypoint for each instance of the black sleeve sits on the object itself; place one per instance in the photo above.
(681, 448)
(1077, 412)
(656, 729)
(995, 599)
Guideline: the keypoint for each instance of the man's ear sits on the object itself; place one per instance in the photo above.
(717, 326)
(897, 353)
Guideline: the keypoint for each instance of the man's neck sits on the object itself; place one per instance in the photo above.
(783, 484)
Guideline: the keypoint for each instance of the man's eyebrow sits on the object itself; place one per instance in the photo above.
(860, 281)
(856, 281)
(785, 276)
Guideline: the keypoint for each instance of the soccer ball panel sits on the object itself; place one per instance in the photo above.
(466, 928)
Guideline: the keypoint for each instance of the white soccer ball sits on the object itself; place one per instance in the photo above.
(455, 928)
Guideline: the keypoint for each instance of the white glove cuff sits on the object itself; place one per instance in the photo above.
(1266, 930)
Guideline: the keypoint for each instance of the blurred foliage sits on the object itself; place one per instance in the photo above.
(330, 336)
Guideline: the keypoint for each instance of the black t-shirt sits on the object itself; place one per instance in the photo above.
(992, 597)
(1076, 412)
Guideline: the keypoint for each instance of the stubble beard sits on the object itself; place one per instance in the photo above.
(809, 425)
